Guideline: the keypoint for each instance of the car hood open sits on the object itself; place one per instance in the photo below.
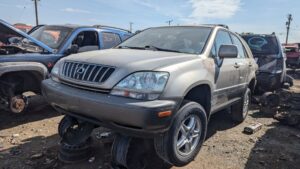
(7, 29)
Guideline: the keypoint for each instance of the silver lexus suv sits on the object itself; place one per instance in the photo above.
(164, 83)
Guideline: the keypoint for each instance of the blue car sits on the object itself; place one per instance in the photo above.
(26, 59)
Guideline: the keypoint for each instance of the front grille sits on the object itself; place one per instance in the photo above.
(86, 72)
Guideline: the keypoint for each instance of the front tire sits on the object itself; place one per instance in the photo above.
(180, 145)
(240, 110)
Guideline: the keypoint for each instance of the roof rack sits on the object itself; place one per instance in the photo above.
(111, 27)
(247, 33)
(222, 25)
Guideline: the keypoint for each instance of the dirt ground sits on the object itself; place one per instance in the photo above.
(30, 141)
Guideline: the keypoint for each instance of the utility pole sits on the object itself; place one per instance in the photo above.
(36, 11)
(130, 26)
(288, 24)
(169, 22)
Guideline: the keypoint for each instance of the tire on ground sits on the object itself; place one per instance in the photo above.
(166, 144)
(238, 114)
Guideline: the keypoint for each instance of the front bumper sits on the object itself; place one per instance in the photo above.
(130, 116)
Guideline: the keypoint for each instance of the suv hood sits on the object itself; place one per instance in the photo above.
(7, 29)
(127, 61)
(133, 59)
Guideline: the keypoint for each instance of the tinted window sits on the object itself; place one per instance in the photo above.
(181, 39)
(239, 45)
(87, 41)
(110, 40)
(260, 44)
(223, 38)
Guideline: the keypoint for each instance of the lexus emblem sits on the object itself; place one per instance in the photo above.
(80, 70)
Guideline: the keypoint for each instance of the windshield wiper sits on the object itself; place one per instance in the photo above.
(151, 47)
(161, 49)
(130, 47)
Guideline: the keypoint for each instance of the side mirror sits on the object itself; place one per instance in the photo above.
(228, 51)
(73, 49)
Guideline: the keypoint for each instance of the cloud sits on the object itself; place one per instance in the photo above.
(74, 10)
(216, 9)
(147, 4)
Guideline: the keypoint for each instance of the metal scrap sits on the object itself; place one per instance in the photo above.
(253, 128)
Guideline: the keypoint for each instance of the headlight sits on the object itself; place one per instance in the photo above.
(142, 85)
(55, 71)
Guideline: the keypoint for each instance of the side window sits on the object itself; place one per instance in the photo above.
(110, 40)
(239, 45)
(222, 38)
(87, 41)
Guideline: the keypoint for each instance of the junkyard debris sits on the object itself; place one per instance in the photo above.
(252, 128)
(36, 156)
(92, 159)
(15, 135)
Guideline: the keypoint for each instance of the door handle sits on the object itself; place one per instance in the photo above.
(250, 65)
(236, 65)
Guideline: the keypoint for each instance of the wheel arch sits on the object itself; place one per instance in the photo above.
(200, 93)
(29, 75)
(252, 85)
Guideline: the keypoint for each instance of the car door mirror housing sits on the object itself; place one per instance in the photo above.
(73, 49)
(228, 51)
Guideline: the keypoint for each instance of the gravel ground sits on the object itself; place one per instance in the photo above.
(30, 141)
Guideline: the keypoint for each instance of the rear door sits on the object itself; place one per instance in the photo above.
(243, 62)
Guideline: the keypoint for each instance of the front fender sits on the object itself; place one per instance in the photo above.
(188, 75)
(7, 67)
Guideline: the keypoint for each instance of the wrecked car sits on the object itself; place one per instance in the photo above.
(26, 59)
(163, 83)
(292, 55)
(270, 58)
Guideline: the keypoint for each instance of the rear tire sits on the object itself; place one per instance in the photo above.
(240, 110)
(180, 145)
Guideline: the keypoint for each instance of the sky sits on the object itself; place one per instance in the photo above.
(257, 16)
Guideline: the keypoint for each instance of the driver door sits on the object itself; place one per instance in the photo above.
(226, 71)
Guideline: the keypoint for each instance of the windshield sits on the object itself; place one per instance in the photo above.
(52, 36)
(259, 44)
(178, 39)
(290, 49)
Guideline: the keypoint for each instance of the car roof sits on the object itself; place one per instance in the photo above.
(253, 34)
(202, 25)
(74, 26)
